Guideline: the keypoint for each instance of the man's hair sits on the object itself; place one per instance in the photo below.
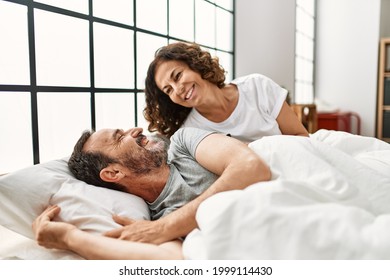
(163, 115)
(86, 166)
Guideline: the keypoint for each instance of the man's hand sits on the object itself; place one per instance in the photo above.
(49, 234)
(138, 230)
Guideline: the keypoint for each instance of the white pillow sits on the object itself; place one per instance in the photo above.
(25, 193)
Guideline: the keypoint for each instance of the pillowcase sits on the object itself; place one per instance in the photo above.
(25, 193)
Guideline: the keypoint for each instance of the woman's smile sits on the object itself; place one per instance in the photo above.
(189, 93)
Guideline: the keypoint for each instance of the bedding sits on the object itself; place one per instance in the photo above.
(328, 199)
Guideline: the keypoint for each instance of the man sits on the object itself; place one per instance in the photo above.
(172, 181)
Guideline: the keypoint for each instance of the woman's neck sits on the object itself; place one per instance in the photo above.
(220, 105)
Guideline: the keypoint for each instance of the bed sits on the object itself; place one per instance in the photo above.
(329, 198)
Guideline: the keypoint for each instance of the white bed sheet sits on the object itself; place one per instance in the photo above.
(329, 199)
(14, 246)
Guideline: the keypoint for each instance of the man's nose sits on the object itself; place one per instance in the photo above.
(135, 131)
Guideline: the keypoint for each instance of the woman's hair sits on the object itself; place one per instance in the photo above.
(161, 112)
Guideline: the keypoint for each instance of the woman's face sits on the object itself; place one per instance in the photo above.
(183, 85)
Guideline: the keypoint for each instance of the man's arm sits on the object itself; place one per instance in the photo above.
(238, 167)
(63, 236)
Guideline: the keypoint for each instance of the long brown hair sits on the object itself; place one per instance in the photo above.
(163, 115)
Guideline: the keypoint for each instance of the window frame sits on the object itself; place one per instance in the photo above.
(300, 37)
(34, 89)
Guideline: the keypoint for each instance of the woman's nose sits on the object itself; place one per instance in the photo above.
(179, 90)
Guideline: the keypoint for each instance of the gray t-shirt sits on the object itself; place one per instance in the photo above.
(187, 178)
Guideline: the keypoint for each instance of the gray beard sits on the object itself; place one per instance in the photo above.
(148, 160)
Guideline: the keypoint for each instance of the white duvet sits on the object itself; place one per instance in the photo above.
(329, 198)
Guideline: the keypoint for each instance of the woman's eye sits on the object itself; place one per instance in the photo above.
(177, 77)
(168, 91)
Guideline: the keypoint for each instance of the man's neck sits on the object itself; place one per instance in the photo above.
(148, 186)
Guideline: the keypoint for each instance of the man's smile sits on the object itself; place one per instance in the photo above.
(142, 140)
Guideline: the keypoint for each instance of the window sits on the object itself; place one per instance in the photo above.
(304, 51)
(66, 66)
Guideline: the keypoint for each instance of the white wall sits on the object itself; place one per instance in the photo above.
(265, 39)
(347, 56)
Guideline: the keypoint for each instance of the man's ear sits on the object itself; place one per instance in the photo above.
(112, 173)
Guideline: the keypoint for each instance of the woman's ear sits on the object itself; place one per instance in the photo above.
(112, 173)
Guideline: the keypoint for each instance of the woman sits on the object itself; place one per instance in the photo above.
(185, 86)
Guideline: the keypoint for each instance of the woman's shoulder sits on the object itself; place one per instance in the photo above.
(254, 77)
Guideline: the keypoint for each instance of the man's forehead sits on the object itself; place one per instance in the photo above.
(99, 139)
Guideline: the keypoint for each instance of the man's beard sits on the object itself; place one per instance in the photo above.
(148, 160)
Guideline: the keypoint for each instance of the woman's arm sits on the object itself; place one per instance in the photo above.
(289, 123)
(58, 235)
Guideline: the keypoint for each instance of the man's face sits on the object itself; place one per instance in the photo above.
(134, 150)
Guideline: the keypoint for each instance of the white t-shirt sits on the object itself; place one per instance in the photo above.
(259, 102)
